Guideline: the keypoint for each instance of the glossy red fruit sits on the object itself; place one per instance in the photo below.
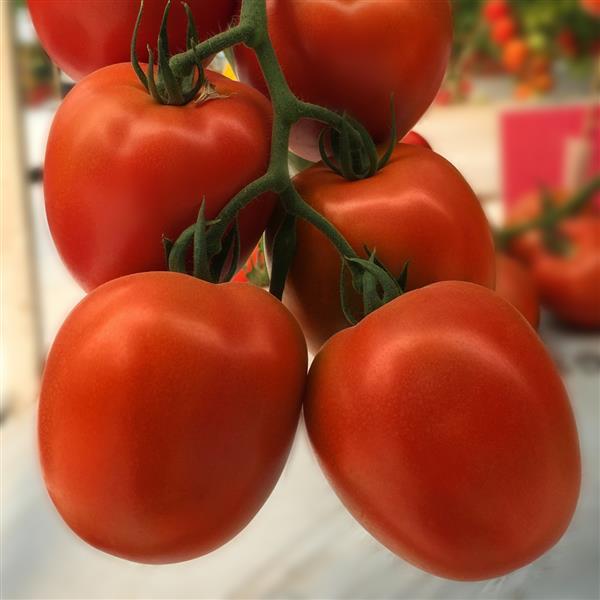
(352, 55)
(493, 10)
(569, 282)
(121, 170)
(444, 427)
(418, 208)
(167, 411)
(503, 30)
(82, 36)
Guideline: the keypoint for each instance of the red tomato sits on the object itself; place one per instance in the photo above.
(514, 54)
(514, 284)
(122, 170)
(567, 41)
(529, 207)
(591, 6)
(503, 30)
(415, 139)
(82, 36)
(495, 9)
(444, 427)
(418, 208)
(569, 284)
(160, 439)
(352, 55)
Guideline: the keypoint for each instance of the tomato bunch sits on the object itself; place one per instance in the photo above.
(373, 50)
(170, 400)
(531, 68)
(564, 262)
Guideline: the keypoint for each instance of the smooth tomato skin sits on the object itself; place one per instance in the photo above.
(352, 55)
(493, 10)
(121, 171)
(443, 426)
(159, 439)
(415, 139)
(570, 285)
(417, 208)
(82, 36)
(515, 284)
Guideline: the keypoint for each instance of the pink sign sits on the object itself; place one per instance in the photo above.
(535, 145)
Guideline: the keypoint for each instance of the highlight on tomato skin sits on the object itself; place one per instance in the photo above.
(159, 438)
(444, 427)
(108, 211)
(418, 208)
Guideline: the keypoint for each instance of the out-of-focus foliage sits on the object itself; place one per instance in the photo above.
(556, 27)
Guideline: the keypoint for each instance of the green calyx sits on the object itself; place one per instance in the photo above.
(550, 218)
(216, 244)
(162, 83)
(353, 158)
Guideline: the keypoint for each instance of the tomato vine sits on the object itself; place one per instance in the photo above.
(214, 241)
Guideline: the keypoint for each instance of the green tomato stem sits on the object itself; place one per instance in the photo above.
(551, 218)
(287, 110)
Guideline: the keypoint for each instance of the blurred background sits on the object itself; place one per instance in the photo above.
(518, 110)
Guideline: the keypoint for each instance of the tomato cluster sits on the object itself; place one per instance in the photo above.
(169, 402)
(564, 263)
(531, 68)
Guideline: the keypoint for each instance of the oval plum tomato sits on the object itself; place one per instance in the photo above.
(503, 30)
(569, 283)
(418, 208)
(352, 55)
(514, 55)
(82, 36)
(529, 207)
(515, 284)
(443, 425)
(122, 170)
(591, 6)
(494, 10)
(415, 139)
(159, 438)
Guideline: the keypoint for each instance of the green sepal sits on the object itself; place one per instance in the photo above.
(403, 278)
(393, 137)
(167, 247)
(323, 151)
(344, 301)
(388, 284)
(201, 263)
(134, 58)
(235, 257)
(172, 86)
(152, 87)
(179, 251)
(191, 32)
(284, 249)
